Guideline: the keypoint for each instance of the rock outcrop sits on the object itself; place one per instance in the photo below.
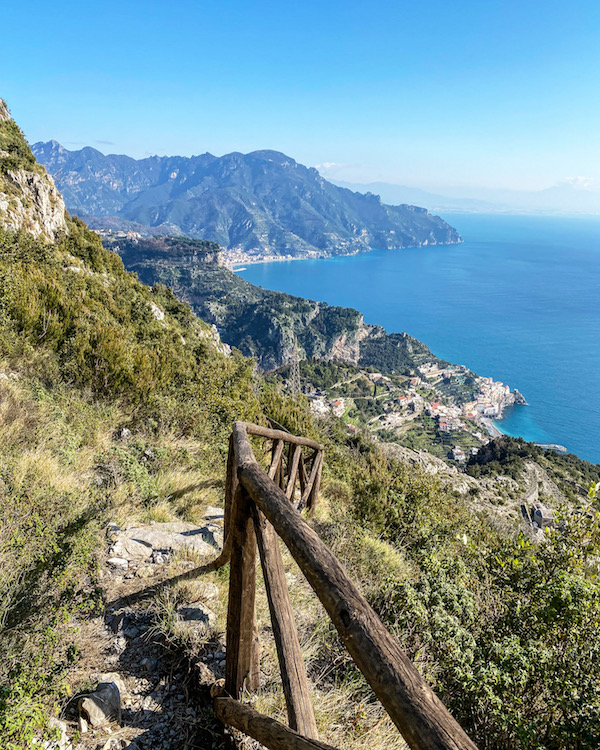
(29, 200)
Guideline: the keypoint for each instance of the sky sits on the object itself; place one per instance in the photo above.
(463, 93)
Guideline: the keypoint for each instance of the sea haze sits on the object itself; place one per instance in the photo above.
(518, 301)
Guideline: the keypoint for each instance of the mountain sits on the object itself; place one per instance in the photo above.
(28, 198)
(573, 196)
(262, 203)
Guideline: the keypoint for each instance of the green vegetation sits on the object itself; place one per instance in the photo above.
(507, 455)
(505, 628)
(82, 355)
(266, 324)
(14, 150)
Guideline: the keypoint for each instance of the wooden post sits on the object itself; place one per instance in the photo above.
(419, 714)
(267, 731)
(311, 479)
(277, 452)
(291, 486)
(293, 675)
(303, 475)
(313, 497)
(241, 666)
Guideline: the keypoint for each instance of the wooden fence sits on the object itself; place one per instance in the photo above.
(259, 506)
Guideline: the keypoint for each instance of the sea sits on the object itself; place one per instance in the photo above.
(518, 300)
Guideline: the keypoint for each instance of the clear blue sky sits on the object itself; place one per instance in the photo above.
(500, 94)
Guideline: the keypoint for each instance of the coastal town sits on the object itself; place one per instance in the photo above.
(450, 406)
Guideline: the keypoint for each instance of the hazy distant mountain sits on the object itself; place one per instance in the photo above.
(569, 197)
(263, 202)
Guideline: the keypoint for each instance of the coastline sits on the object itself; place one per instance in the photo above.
(232, 258)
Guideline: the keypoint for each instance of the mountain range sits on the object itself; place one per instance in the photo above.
(572, 196)
(261, 203)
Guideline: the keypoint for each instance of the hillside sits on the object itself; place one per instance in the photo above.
(116, 403)
(264, 324)
(263, 203)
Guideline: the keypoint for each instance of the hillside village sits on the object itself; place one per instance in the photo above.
(452, 403)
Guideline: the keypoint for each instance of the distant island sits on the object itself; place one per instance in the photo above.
(256, 206)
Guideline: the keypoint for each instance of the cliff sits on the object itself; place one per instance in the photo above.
(269, 325)
(29, 199)
(261, 203)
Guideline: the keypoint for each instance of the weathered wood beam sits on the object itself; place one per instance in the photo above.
(276, 457)
(267, 731)
(241, 665)
(293, 473)
(311, 479)
(291, 665)
(419, 714)
(254, 429)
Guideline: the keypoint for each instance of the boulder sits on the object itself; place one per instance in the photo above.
(166, 536)
(130, 549)
(101, 706)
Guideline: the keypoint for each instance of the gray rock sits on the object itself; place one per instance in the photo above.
(197, 616)
(168, 536)
(124, 433)
(116, 678)
(130, 549)
(118, 562)
(101, 706)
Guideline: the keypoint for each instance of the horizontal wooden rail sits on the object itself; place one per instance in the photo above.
(267, 432)
(421, 717)
(267, 731)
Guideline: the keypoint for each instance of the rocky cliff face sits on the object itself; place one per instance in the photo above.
(29, 200)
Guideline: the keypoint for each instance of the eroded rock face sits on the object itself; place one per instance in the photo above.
(29, 200)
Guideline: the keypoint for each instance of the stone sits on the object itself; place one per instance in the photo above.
(124, 433)
(116, 678)
(157, 312)
(168, 536)
(197, 616)
(203, 590)
(130, 549)
(118, 562)
(101, 706)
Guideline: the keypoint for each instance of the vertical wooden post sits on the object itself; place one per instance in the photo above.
(276, 454)
(314, 494)
(303, 476)
(306, 495)
(291, 486)
(291, 666)
(242, 653)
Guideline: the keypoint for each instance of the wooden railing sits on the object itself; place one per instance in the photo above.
(259, 506)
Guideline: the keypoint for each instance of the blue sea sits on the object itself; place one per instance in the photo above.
(518, 301)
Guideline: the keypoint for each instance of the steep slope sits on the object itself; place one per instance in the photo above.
(264, 324)
(260, 203)
(28, 198)
(116, 403)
